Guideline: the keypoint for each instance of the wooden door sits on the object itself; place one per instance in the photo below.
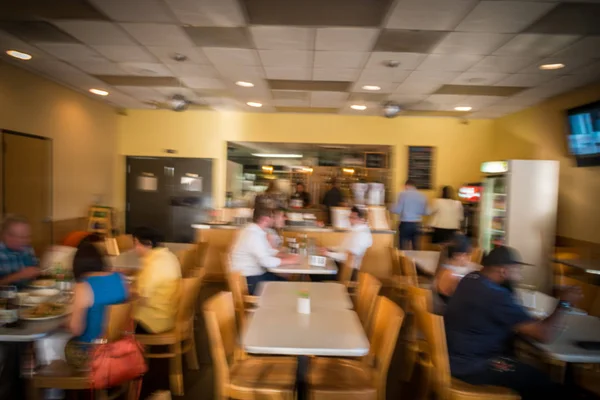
(27, 183)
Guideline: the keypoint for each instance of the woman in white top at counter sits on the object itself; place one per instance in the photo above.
(252, 254)
(356, 241)
(447, 215)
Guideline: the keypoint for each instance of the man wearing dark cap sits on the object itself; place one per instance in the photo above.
(481, 318)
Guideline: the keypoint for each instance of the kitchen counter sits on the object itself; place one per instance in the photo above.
(290, 228)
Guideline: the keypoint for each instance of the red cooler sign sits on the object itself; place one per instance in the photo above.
(470, 193)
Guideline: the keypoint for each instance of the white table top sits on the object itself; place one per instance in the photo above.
(426, 261)
(323, 332)
(304, 268)
(579, 328)
(322, 295)
(29, 331)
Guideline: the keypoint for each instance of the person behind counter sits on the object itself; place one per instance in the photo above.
(300, 195)
(447, 215)
(272, 198)
(252, 254)
(333, 198)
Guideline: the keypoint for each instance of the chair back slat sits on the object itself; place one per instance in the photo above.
(124, 242)
(368, 289)
(395, 257)
(118, 321)
(239, 288)
(346, 268)
(409, 269)
(200, 253)
(189, 289)
(477, 255)
(421, 295)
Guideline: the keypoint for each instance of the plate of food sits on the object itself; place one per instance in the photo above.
(35, 297)
(44, 312)
(43, 283)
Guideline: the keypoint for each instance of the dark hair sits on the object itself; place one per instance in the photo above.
(87, 259)
(447, 192)
(359, 211)
(333, 180)
(409, 182)
(300, 184)
(459, 244)
(148, 236)
(260, 212)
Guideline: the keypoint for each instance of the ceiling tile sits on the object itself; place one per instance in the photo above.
(10, 42)
(471, 43)
(449, 62)
(96, 32)
(588, 47)
(478, 78)
(424, 82)
(577, 18)
(48, 10)
(37, 31)
(434, 113)
(283, 38)
(435, 15)
(69, 51)
(99, 67)
(221, 13)
(408, 41)
(167, 92)
(165, 54)
(135, 10)
(121, 100)
(570, 66)
(234, 57)
(346, 39)
(288, 98)
(219, 37)
(286, 58)
(503, 16)
(307, 110)
(406, 100)
(328, 99)
(335, 74)
(193, 70)
(146, 69)
(288, 73)
(408, 61)
(321, 86)
(373, 108)
(440, 102)
(367, 97)
(384, 75)
(140, 93)
(202, 83)
(472, 90)
(242, 73)
(340, 59)
(502, 64)
(525, 80)
(67, 74)
(125, 53)
(317, 12)
(535, 45)
(144, 81)
(158, 34)
(478, 102)
(386, 87)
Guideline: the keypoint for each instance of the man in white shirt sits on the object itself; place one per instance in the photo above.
(357, 241)
(252, 254)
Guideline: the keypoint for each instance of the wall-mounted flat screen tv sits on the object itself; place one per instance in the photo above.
(584, 134)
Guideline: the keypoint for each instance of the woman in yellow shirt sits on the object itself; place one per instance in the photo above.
(157, 285)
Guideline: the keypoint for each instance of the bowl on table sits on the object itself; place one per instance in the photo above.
(43, 284)
(35, 297)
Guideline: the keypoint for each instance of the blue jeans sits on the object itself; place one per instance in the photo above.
(409, 233)
(253, 281)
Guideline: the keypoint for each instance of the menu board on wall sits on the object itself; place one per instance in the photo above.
(420, 166)
(375, 160)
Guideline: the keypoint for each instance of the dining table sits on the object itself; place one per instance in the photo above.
(587, 266)
(426, 261)
(29, 331)
(285, 294)
(303, 267)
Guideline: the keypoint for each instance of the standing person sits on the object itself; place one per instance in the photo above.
(447, 215)
(157, 285)
(252, 254)
(481, 319)
(272, 197)
(301, 195)
(411, 207)
(18, 263)
(333, 198)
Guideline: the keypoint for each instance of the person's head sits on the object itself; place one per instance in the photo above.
(447, 192)
(333, 182)
(263, 217)
(272, 187)
(87, 260)
(410, 184)
(299, 187)
(459, 250)
(503, 265)
(16, 232)
(145, 239)
(279, 218)
(357, 216)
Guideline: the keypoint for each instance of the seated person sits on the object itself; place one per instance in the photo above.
(273, 233)
(18, 263)
(481, 318)
(252, 254)
(356, 241)
(449, 274)
(157, 285)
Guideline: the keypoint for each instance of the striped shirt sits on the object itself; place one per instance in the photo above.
(12, 261)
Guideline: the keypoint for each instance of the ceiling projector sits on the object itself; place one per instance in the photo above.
(178, 103)
(391, 109)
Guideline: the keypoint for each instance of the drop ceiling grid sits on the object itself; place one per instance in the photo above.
(310, 44)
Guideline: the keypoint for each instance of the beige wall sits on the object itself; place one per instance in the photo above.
(540, 133)
(83, 133)
(460, 147)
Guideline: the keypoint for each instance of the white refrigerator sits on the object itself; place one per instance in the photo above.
(518, 209)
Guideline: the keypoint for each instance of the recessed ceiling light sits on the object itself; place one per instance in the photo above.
(19, 55)
(266, 155)
(463, 108)
(359, 107)
(244, 84)
(99, 92)
(254, 104)
(549, 67)
(371, 87)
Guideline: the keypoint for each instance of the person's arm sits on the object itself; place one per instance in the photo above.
(446, 282)
(82, 301)
(397, 209)
(263, 253)
(24, 274)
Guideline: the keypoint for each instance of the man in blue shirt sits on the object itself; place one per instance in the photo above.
(411, 207)
(481, 319)
(18, 263)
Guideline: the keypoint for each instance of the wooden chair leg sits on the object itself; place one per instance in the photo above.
(175, 370)
(191, 357)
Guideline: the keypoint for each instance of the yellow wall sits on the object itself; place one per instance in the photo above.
(83, 133)
(460, 147)
(540, 133)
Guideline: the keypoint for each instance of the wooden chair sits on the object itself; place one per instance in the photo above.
(366, 297)
(345, 271)
(192, 259)
(60, 375)
(477, 255)
(422, 296)
(181, 339)
(124, 242)
(444, 386)
(265, 378)
(244, 303)
(341, 379)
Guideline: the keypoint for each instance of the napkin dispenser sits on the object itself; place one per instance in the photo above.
(317, 261)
